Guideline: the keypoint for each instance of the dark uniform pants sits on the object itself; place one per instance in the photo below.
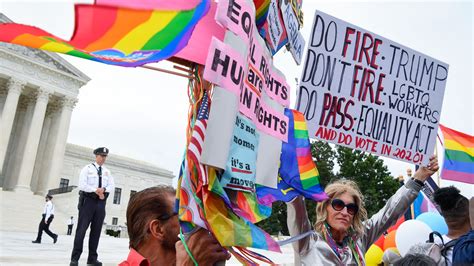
(91, 212)
(45, 227)
(69, 229)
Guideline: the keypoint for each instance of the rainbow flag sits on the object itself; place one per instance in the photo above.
(458, 162)
(298, 172)
(245, 204)
(261, 11)
(229, 228)
(115, 35)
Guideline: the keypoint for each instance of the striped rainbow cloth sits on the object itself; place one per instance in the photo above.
(298, 172)
(421, 205)
(261, 11)
(458, 156)
(229, 228)
(115, 35)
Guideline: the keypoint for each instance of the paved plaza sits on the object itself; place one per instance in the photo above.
(16, 249)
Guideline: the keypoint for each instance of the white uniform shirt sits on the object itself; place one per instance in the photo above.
(70, 221)
(48, 210)
(89, 179)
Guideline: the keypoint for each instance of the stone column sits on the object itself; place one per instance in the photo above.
(15, 87)
(43, 157)
(57, 143)
(3, 97)
(17, 141)
(32, 140)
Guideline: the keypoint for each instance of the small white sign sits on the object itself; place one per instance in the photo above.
(295, 39)
(274, 26)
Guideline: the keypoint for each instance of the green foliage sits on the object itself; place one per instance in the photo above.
(368, 171)
(276, 223)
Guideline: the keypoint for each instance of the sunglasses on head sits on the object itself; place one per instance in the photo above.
(165, 217)
(339, 205)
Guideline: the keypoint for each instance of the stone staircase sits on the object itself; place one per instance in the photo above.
(21, 211)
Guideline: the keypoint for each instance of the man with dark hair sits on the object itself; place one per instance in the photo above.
(455, 211)
(47, 218)
(463, 252)
(95, 183)
(153, 229)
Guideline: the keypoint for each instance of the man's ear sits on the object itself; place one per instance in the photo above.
(156, 229)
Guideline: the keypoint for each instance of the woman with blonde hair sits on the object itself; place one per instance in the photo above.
(342, 233)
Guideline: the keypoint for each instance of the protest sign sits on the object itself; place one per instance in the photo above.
(275, 27)
(207, 27)
(364, 91)
(240, 169)
(249, 73)
(261, 94)
(295, 39)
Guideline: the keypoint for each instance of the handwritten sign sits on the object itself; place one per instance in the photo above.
(240, 170)
(275, 27)
(250, 75)
(364, 91)
(295, 39)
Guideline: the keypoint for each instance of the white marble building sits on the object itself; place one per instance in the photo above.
(38, 92)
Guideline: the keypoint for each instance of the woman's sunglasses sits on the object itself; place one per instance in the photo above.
(339, 205)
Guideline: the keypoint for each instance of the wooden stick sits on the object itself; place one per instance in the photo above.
(169, 72)
(187, 70)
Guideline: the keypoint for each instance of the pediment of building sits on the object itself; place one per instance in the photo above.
(42, 58)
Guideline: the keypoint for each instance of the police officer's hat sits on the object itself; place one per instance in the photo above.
(49, 197)
(101, 151)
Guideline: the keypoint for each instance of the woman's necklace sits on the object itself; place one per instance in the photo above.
(348, 242)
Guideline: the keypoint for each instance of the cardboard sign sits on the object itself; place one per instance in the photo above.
(295, 39)
(364, 91)
(275, 27)
(241, 165)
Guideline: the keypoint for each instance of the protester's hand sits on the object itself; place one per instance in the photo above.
(204, 248)
(99, 191)
(426, 171)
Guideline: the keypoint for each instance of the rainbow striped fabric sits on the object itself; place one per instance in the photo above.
(458, 156)
(421, 205)
(229, 228)
(261, 11)
(298, 172)
(115, 35)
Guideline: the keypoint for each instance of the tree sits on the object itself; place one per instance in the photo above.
(324, 156)
(370, 173)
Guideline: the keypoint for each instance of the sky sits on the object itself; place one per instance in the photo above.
(142, 113)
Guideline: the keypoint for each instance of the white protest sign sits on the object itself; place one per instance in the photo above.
(274, 26)
(364, 91)
(295, 39)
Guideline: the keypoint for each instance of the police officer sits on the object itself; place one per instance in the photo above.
(47, 218)
(95, 184)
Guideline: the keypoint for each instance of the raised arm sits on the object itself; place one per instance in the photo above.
(397, 204)
(298, 223)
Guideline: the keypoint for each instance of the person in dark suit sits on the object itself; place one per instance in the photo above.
(95, 183)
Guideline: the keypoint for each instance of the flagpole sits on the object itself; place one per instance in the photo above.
(169, 71)
(437, 172)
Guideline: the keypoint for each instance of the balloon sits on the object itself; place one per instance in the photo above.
(390, 241)
(410, 233)
(435, 221)
(395, 226)
(390, 256)
(373, 256)
(379, 242)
